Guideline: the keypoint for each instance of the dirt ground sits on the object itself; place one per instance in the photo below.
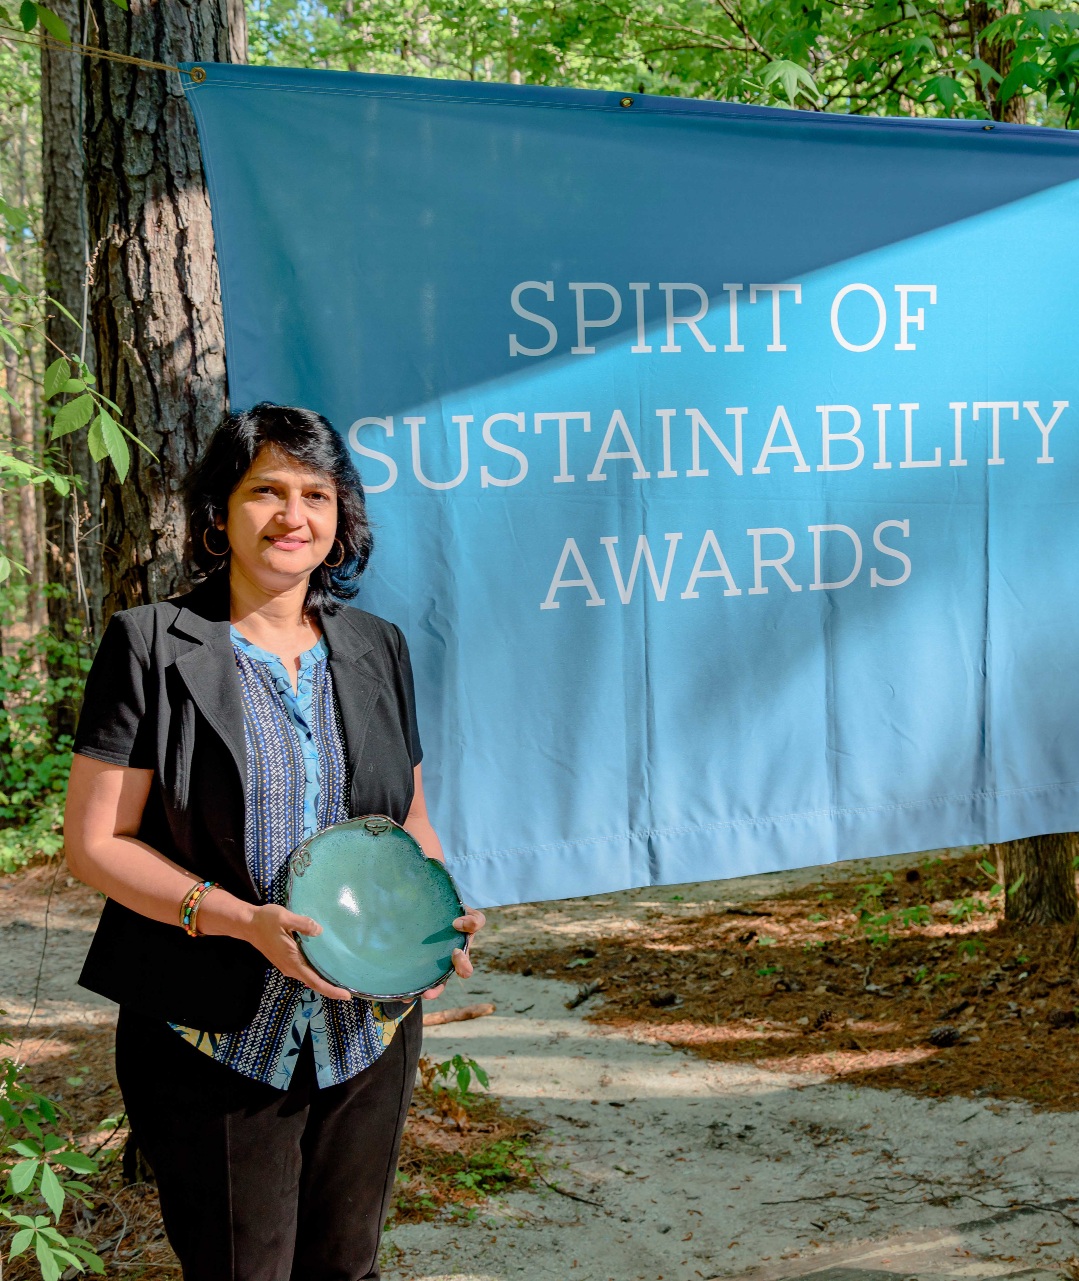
(904, 978)
(700, 1117)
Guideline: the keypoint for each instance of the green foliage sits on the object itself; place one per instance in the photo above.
(886, 57)
(67, 388)
(34, 762)
(495, 1167)
(457, 1075)
(877, 923)
(965, 909)
(969, 948)
(40, 1170)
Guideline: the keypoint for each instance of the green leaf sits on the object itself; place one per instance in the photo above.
(57, 374)
(1027, 75)
(74, 415)
(9, 338)
(51, 1190)
(13, 216)
(22, 1175)
(28, 15)
(53, 24)
(76, 1161)
(95, 441)
(113, 439)
(20, 1241)
(46, 1260)
(12, 285)
(73, 385)
(121, 4)
(946, 89)
(793, 78)
(57, 303)
(984, 70)
(6, 395)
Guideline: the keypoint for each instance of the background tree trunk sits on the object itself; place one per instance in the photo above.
(72, 534)
(1046, 864)
(998, 55)
(155, 300)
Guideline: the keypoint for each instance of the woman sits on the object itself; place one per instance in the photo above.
(218, 730)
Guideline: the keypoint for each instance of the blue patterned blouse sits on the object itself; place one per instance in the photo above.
(297, 784)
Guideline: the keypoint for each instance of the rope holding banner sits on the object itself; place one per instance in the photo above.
(18, 36)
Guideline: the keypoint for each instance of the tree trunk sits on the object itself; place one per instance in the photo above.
(155, 301)
(1042, 868)
(998, 55)
(72, 525)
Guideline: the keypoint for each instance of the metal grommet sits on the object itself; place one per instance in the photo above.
(988, 127)
(625, 102)
(197, 74)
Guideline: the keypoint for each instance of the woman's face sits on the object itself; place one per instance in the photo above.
(282, 520)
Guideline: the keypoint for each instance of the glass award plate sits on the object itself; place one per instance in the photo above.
(386, 910)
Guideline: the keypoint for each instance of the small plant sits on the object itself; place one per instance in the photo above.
(917, 915)
(968, 949)
(765, 940)
(767, 970)
(920, 975)
(495, 1167)
(39, 1174)
(996, 886)
(965, 909)
(876, 927)
(873, 921)
(457, 1074)
(873, 892)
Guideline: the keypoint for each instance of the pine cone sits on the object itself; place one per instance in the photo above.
(943, 1036)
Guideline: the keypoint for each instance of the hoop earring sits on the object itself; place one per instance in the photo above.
(210, 551)
(336, 564)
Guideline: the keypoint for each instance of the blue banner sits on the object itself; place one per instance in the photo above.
(724, 461)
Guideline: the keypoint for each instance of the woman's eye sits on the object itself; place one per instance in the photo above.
(319, 497)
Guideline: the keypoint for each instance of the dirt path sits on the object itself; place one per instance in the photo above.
(678, 1168)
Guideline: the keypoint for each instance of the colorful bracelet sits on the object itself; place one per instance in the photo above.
(189, 908)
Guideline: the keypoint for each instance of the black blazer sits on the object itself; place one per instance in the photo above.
(164, 694)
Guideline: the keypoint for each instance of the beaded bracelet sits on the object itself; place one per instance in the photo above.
(189, 908)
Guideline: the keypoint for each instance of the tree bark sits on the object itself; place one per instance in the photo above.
(72, 524)
(155, 299)
(1042, 870)
(998, 55)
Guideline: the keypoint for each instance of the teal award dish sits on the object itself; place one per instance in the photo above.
(386, 910)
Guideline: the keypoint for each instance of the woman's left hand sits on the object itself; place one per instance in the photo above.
(471, 923)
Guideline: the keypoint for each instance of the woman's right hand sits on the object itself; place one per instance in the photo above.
(272, 929)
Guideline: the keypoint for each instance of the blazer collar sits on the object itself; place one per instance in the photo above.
(209, 669)
(353, 681)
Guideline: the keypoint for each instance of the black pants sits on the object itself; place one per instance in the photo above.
(259, 1184)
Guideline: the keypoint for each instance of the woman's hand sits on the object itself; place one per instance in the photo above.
(471, 923)
(271, 930)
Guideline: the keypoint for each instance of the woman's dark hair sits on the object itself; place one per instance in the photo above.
(311, 441)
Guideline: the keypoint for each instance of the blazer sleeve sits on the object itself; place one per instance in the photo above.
(409, 685)
(113, 725)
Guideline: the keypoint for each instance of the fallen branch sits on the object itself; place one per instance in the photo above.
(458, 1014)
(584, 992)
(572, 1195)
